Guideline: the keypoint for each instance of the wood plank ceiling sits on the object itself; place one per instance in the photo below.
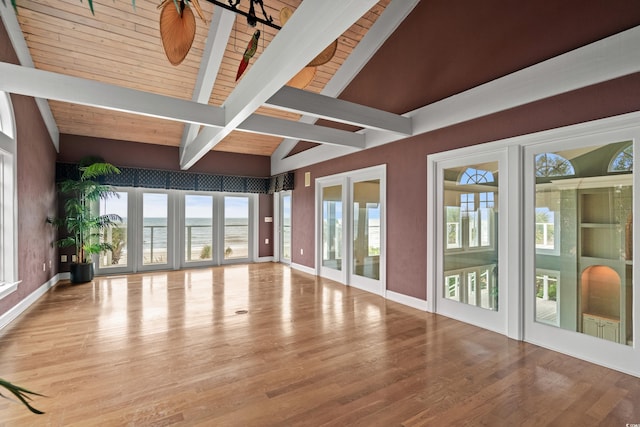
(121, 45)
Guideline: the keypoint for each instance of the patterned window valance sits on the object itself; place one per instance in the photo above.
(282, 182)
(154, 178)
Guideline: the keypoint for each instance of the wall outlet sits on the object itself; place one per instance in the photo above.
(73, 258)
(301, 251)
(44, 266)
(63, 258)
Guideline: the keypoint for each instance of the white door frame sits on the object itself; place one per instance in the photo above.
(506, 319)
(344, 275)
(621, 357)
(277, 225)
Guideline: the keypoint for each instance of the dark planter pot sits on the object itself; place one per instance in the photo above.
(81, 273)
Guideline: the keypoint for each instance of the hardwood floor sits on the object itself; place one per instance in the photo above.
(175, 348)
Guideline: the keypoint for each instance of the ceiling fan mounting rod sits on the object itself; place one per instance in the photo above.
(251, 16)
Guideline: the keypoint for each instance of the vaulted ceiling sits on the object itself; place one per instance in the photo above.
(402, 67)
(120, 46)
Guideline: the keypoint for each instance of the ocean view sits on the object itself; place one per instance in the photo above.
(198, 232)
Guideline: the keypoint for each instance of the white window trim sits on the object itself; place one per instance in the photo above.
(9, 212)
(556, 274)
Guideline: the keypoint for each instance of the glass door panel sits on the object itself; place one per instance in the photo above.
(116, 236)
(583, 240)
(366, 229)
(332, 227)
(236, 227)
(155, 221)
(285, 223)
(470, 234)
(198, 220)
(470, 257)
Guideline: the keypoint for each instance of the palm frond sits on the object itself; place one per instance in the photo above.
(22, 394)
(97, 169)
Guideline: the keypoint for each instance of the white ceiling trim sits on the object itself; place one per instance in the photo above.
(607, 59)
(322, 106)
(312, 27)
(217, 38)
(10, 21)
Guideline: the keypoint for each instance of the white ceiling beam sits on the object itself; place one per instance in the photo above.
(395, 12)
(59, 87)
(217, 38)
(48, 85)
(313, 26)
(289, 129)
(294, 129)
(337, 110)
(10, 21)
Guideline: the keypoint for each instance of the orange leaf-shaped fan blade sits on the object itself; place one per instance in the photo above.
(177, 32)
(321, 59)
(303, 78)
(324, 56)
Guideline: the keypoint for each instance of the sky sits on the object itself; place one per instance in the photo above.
(155, 206)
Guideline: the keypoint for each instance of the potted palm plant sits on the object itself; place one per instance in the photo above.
(82, 220)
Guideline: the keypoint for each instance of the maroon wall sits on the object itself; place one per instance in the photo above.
(445, 47)
(407, 176)
(133, 154)
(37, 198)
(265, 229)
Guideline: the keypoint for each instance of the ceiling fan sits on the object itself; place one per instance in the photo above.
(177, 31)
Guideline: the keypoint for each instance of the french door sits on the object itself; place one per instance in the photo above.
(333, 243)
(284, 204)
(156, 233)
(469, 240)
(237, 229)
(120, 259)
(581, 296)
(351, 228)
(198, 231)
(175, 229)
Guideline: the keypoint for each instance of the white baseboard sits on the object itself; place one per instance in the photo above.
(265, 259)
(413, 302)
(303, 268)
(19, 308)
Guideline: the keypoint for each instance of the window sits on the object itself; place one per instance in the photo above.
(552, 165)
(116, 236)
(476, 176)
(547, 217)
(236, 227)
(548, 297)
(8, 217)
(623, 161)
(332, 227)
(469, 217)
(549, 165)
(155, 214)
(198, 214)
(474, 286)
